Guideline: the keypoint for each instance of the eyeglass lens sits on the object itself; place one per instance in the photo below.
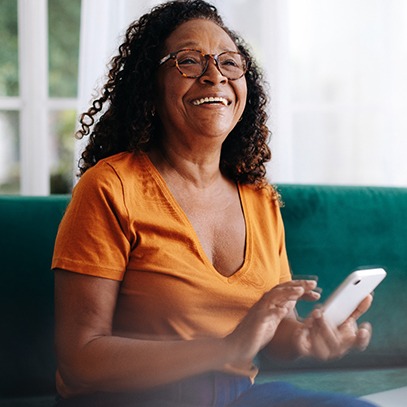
(192, 64)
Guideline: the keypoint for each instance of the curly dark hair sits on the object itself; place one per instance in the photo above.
(126, 122)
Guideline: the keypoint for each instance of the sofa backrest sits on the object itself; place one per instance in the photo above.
(28, 227)
(333, 230)
(330, 231)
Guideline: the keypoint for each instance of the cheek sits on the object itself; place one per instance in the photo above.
(164, 102)
(170, 96)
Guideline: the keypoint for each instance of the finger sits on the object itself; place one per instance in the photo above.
(313, 295)
(362, 307)
(325, 339)
(307, 284)
(354, 336)
(278, 302)
(312, 292)
(281, 300)
(284, 292)
(363, 336)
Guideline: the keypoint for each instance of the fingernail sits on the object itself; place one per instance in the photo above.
(317, 314)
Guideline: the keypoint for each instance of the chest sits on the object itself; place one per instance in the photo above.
(220, 227)
(170, 287)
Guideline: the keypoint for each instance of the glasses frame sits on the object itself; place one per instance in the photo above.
(215, 57)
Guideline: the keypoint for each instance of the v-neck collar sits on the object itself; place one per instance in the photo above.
(177, 207)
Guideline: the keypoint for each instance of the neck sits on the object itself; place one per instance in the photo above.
(201, 171)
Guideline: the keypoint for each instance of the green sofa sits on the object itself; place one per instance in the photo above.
(330, 231)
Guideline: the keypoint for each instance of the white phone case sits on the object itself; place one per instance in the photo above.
(344, 300)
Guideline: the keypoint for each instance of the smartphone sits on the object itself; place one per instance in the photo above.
(345, 299)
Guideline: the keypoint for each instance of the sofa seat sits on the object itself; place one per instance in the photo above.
(357, 382)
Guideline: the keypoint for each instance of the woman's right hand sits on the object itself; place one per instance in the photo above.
(259, 326)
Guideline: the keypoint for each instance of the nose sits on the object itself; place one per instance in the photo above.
(212, 74)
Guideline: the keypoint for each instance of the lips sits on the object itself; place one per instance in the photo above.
(211, 99)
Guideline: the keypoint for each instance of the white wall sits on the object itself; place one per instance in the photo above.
(336, 70)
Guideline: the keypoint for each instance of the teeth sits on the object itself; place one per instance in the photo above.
(210, 100)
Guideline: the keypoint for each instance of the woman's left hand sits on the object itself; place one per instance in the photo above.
(318, 339)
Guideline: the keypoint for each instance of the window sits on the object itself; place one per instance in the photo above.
(336, 72)
(63, 18)
(38, 94)
(9, 102)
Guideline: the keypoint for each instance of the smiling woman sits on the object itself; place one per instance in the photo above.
(171, 272)
(243, 158)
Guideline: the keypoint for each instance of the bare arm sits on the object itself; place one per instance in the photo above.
(90, 358)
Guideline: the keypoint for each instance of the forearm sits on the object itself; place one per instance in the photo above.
(111, 363)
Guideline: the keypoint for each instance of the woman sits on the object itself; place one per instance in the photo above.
(171, 270)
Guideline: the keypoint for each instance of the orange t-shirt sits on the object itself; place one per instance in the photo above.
(124, 224)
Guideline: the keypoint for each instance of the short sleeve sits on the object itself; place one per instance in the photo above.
(285, 273)
(93, 237)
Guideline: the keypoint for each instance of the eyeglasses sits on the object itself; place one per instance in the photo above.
(192, 63)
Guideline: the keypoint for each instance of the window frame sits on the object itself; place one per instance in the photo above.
(33, 103)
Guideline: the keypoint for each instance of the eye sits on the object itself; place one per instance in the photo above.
(187, 61)
(230, 62)
(188, 58)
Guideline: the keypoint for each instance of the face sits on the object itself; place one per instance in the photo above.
(180, 101)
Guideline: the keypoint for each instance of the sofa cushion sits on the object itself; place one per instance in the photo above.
(357, 382)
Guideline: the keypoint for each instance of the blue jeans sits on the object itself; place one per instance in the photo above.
(218, 390)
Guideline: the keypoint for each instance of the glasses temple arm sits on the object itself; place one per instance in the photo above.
(165, 59)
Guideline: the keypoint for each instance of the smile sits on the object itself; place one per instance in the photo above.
(211, 99)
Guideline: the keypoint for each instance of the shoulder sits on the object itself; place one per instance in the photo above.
(267, 194)
(120, 163)
(122, 182)
(112, 173)
(262, 206)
